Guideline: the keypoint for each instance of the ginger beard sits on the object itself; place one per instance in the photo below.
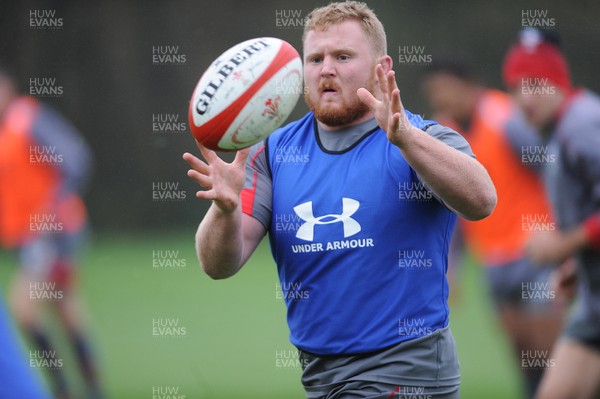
(335, 113)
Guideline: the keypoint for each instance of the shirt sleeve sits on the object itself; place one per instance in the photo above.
(442, 133)
(591, 227)
(257, 194)
(521, 135)
(52, 130)
(451, 138)
(581, 149)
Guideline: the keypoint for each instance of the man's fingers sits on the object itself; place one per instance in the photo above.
(391, 81)
(241, 157)
(209, 195)
(382, 80)
(201, 179)
(396, 122)
(219, 179)
(366, 97)
(195, 162)
(396, 105)
(209, 155)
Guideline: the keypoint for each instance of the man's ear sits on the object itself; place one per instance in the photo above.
(386, 62)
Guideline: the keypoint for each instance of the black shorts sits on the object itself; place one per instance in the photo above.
(422, 368)
(522, 285)
(583, 324)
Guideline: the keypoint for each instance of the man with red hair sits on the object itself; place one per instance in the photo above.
(568, 120)
(373, 205)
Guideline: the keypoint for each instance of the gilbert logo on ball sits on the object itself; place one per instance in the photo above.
(246, 94)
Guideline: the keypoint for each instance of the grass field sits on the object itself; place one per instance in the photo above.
(226, 335)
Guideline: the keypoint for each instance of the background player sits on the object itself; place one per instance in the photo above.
(44, 165)
(498, 242)
(568, 119)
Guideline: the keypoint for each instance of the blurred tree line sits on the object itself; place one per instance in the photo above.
(124, 65)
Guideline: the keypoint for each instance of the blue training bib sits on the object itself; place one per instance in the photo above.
(360, 244)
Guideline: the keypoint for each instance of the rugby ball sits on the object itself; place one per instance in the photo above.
(245, 94)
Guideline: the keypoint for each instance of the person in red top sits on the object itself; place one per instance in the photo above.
(567, 120)
(44, 165)
(498, 242)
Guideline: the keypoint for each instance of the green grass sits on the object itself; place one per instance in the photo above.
(234, 327)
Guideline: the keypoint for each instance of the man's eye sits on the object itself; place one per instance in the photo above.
(343, 57)
(316, 60)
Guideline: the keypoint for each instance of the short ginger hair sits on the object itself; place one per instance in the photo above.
(322, 18)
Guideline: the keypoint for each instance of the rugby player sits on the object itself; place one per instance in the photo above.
(532, 320)
(568, 119)
(374, 195)
(44, 165)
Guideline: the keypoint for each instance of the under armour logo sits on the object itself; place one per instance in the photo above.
(307, 230)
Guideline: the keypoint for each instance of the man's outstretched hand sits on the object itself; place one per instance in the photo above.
(223, 182)
(388, 111)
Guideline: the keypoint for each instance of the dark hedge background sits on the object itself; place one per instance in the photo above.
(102, 56)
